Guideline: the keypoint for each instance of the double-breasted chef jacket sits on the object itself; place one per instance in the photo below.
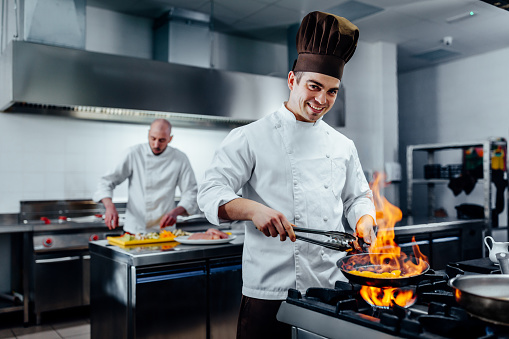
(153, 180)
(308, 171)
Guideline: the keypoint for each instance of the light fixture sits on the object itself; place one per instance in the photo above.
(460, 17)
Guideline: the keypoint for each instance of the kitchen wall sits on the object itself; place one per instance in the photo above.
(464, 100)
(45, 157)
(370, 80)
(48, 157)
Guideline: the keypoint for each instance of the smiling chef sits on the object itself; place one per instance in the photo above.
(292, 167)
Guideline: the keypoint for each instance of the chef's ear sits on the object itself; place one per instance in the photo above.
(291, 80)
(171, 137)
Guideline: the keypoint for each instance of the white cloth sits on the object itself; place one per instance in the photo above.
(153, 180)
(309, 172)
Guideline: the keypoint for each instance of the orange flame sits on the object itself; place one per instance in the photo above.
(386, 256)
(384, 297)
(384, 251)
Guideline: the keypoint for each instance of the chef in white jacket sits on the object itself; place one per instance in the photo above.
(154, 171)
(292, 167)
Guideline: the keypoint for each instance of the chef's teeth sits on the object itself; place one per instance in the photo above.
(317, 108)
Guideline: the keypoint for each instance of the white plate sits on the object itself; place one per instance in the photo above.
(185, 240)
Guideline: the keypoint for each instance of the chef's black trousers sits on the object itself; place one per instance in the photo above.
(257, 319)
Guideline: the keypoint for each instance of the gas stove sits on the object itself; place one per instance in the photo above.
(342, 313)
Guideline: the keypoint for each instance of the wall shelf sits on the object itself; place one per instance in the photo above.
(430, 150)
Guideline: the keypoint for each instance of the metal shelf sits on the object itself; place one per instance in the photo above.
(430, 149)
(7, 307)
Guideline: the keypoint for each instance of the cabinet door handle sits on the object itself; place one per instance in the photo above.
(61, 259)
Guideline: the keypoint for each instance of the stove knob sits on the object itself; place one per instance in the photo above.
(48, 242)
(94, 237)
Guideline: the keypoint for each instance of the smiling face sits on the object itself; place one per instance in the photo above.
(312, 95)
(159, 136)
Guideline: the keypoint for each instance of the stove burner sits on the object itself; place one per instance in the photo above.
(434, 315)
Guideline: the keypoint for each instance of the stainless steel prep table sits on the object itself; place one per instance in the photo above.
(186, 291)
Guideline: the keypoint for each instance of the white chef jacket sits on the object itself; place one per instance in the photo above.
(152, 183)
(308, 171)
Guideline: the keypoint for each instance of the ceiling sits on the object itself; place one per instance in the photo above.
(418, 27)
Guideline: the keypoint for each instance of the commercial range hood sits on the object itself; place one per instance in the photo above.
(44, 79)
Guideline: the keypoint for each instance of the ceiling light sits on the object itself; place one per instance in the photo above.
(460, 17)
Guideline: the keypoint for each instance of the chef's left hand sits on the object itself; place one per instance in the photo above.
(365, 229)
(170, 218)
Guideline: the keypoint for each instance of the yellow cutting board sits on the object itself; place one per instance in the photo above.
(120, 241)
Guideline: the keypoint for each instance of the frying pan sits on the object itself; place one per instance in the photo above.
(485, 296)
(362, 261)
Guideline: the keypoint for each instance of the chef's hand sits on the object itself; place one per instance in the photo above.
(111, 214)
(273, 223)
(365, 230)
(170, 218)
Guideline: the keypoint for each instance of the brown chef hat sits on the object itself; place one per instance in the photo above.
(325, 43)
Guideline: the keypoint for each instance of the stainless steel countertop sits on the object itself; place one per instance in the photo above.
(16, 228)
(162, 253)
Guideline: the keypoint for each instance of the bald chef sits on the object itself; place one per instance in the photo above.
(292, 167)
(154, 171)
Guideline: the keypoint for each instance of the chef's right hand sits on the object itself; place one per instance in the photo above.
(273, 223)
(111, 217)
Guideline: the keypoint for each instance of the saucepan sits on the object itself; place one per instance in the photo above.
(486, 296)
(363, 262)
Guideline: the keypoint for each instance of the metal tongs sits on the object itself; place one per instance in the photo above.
(339, 241)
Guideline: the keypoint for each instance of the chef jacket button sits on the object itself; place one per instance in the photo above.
(326, 186)
(327, 155)
(290, 151)
(325, 218)
(295, 182)
(297, 217)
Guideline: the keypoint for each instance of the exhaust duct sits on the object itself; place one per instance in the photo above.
(44, 79)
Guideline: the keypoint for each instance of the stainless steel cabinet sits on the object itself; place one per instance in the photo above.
(197, 298)
(55, 281)
(170, 301)
(225, 291)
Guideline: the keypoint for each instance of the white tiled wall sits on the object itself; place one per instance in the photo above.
(46, 157)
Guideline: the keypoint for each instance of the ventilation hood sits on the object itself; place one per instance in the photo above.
(44, 79)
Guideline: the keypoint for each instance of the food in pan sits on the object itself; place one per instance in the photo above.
(384, 275)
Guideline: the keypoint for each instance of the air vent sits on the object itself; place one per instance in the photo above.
(128, 115)
(353, 10)
(436, 55)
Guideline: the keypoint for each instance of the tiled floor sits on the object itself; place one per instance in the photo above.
(55, 326)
